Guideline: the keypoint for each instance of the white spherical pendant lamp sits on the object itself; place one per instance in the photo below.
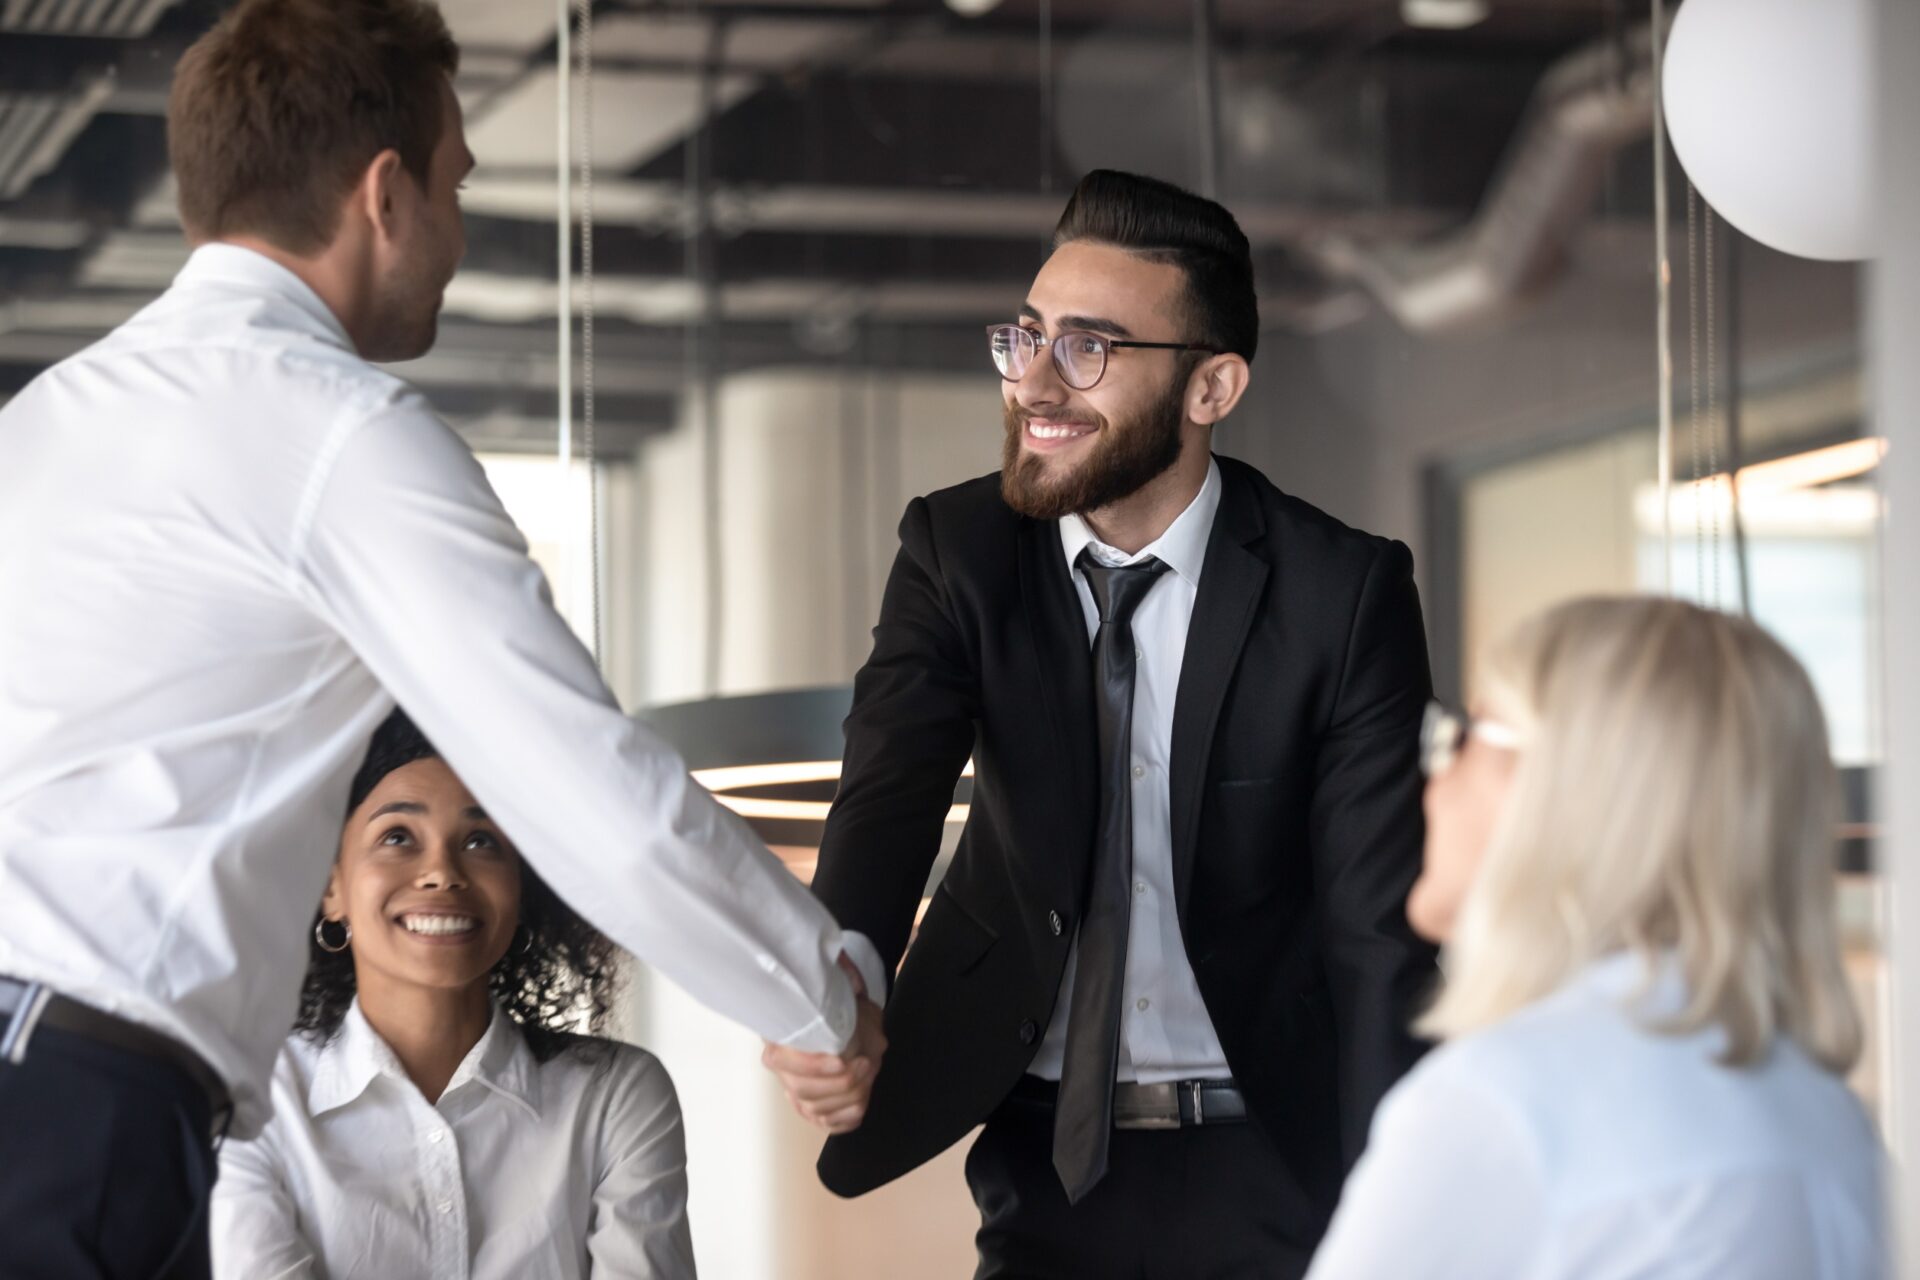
(1770, 104)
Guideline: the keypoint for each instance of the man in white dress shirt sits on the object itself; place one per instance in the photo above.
(227, 545)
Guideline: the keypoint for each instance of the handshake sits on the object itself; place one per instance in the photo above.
(831, 1089)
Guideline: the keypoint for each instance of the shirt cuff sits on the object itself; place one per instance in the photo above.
(866, 958)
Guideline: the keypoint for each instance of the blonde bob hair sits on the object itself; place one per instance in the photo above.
(1673, 795)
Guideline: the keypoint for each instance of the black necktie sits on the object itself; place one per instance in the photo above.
(1083, 1115)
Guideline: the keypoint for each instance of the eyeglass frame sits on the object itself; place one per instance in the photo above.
(1444, 732)
(1053, 346)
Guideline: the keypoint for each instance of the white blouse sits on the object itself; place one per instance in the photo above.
(1569, 1141)
(523, 1170)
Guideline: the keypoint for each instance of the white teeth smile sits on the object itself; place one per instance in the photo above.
(439, 925)
(1045, 432)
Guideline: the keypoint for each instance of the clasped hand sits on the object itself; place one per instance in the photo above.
(831, 1090)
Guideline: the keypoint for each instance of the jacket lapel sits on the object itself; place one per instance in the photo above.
(1231, 581)
(1063, 663)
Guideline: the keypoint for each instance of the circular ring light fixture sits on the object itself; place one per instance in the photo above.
(774, 759)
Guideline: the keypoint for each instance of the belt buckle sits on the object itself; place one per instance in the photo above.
(1146, 1106)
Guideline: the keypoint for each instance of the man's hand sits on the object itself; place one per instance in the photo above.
(831, 1090)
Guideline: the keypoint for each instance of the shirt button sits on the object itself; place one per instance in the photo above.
(446, 1206)
(1138, 656)
(1028, 1030)
(1139, 771)
(1055, 923)
(1139, 886)
(1141, 1004)
(435, 1137)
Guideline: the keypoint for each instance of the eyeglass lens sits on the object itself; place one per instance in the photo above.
(1081, 358)
(1441, 733)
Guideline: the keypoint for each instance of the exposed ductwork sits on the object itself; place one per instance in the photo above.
(121, 19)
(38, 124)
(877, 175)
(1587, 107)
(36, 128)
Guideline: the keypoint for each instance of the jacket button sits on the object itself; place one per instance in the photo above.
(1028, 1031)
(1055, 923)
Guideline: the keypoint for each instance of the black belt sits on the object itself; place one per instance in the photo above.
(27, 1006)
(1174, 1104)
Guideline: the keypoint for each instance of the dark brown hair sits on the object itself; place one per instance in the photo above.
(1164, 223)
(278, 110)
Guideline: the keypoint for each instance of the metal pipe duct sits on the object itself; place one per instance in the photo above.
(125, 19)
(1586, 107)
(37, 128)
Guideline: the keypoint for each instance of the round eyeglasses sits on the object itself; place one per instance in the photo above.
(1080, 357)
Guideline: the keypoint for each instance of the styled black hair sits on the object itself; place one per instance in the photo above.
(396, 744)
(559, 974)
(1164, 223)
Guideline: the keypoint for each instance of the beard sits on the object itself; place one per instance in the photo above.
(1128, 454)
(407, 318)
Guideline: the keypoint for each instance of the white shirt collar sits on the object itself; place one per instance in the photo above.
(1182, 548)
(349, 1063)
(218, 264)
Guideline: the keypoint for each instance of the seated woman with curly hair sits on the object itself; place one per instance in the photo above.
(435, 1113)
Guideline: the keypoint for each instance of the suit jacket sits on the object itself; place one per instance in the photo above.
(1295, 801)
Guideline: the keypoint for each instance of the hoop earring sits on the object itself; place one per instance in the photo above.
(320, 935)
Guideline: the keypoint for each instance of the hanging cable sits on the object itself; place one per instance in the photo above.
(563, 226)
(585, 48)
(1736, 451)
(1206, 88)
(1713, 403)
(1046, 96)
(1693, 396)
(1663, 305)
(704, 331)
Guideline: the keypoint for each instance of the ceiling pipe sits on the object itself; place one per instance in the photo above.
(1585, 109)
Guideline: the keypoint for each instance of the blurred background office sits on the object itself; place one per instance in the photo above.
(779, 228)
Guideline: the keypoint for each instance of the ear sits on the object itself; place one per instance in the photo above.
(1215, 388)
(333, 903)
(383, 188)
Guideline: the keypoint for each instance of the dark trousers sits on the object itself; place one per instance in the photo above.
(1211, 1202)
(106, 1162)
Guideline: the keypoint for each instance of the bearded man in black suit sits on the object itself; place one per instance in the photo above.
(1170, 968)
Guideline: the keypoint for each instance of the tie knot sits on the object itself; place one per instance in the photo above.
(1119, 589)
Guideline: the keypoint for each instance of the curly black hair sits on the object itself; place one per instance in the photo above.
(559, 973)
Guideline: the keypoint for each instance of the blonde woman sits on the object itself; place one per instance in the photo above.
(1629, 861)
